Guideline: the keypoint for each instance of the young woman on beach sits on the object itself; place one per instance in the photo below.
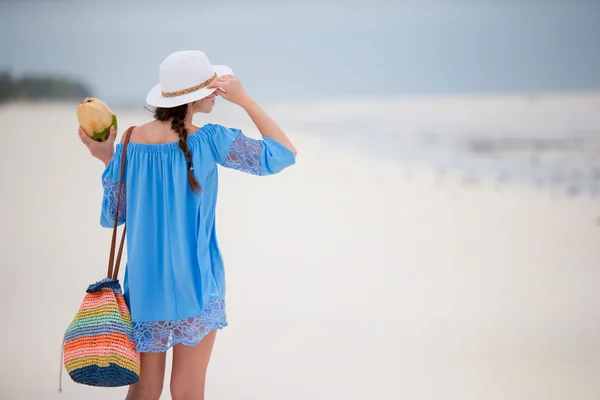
(174, 281)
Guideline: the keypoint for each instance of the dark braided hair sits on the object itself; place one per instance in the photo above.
(177, 116)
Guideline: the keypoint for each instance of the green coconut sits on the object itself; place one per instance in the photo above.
(96, 118)
(102, 136)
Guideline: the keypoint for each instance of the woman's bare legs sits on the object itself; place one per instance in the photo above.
(152, 376)
(189, 369)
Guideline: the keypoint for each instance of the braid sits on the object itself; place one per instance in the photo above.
(177, 116)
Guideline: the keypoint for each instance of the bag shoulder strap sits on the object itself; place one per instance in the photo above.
(110, 274)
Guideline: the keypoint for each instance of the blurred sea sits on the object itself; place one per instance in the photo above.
(549, 142)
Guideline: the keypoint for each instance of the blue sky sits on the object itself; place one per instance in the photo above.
(296, 50)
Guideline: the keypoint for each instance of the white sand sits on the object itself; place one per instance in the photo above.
(348, 278)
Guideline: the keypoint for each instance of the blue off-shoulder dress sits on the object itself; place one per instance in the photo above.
(174, 281)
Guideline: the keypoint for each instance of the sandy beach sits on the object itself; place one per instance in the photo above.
(350, 275)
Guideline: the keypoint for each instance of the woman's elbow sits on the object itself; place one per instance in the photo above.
(291, 148)
(288, 145)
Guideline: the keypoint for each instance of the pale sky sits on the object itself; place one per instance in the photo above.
(291, 50)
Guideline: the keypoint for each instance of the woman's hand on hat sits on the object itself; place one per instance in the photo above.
(230, 88)
(103, 151)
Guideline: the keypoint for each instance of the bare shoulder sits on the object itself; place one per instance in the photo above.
(150, 132)
(125, 134)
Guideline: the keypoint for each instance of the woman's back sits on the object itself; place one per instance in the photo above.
(157, 132)
(174, 278)
(174, 261)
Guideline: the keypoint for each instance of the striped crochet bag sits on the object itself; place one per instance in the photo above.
(98, 348)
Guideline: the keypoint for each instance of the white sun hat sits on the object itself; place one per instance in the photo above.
(183, 77)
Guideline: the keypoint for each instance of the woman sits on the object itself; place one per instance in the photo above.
(174, 281)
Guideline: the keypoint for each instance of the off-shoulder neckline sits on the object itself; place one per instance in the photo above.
(158, 147)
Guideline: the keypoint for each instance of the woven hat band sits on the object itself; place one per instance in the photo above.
(190, 90)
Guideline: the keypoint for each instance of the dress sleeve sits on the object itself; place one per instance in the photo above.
(232, 149)
(110, 184)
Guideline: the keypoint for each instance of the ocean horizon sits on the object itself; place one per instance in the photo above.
(547, 141)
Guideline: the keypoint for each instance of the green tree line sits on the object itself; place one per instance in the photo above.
(40, 88)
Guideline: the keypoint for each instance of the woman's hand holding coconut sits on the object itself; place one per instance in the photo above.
(97, 128)
(103, 151)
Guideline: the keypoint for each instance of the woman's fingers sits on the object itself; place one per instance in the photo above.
(84, 137)
(88, 141)
(218, 83)
(111, 135)
(225, 79)
(230, 88)
(81, 133)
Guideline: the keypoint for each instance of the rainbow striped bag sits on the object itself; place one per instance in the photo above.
(98, 347)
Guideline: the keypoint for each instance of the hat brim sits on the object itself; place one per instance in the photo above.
(156, 99)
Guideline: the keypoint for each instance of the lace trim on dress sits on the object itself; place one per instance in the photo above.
(111, 191)
(244, 155)
(157, 336)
